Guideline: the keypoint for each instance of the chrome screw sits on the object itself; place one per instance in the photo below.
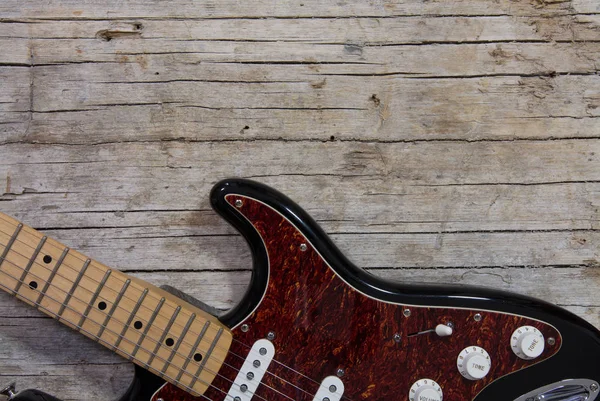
(262, 351)
(238, 203)
(477, 317)
(551, 341)
(256, 363)
(243, 388)
(250, 376)
(594, 387)
(340, 372)
(450, 324)
(397, 337)
(303, 247)
(332, 388)
(406, 312)
(159, 399)
(270, 335)
(245, 328)
(237, 398)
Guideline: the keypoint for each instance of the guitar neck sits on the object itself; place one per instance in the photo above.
(152, 328)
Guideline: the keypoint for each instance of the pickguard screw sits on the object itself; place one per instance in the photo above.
(245, 328)
(340, 372)
(594, 387)
(406, 312)
(270, 335)
(551, 341)
(303, 247)
(397, 337)
(262, 351)
(238, 203)
(450, 324)
(477, 317)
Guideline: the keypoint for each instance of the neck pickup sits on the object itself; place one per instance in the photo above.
(150, 327)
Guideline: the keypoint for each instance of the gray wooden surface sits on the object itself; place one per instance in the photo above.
(436, 141)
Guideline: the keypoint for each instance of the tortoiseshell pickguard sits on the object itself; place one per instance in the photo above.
(322, 325)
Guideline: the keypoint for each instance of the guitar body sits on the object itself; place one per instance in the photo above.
(327, 318)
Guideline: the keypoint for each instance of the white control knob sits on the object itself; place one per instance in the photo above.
(425, 390)
(527, 342)
(474, 363)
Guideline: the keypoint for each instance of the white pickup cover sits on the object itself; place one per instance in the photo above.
(331, 389)
(250, 375)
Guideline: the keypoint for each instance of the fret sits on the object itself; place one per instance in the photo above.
(73, 287)
(162, 337)
(207, 356)
(94, 297)
(114, 307)
(30, 263)
(52, 274)
(193, 350)
(131, 316)
(10, 243)
(138, 344)
(179, 341)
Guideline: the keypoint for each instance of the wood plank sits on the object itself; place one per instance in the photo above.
(232, 9)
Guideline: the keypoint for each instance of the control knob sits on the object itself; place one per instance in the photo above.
(527, 342)
(474, 363)
(425, 390)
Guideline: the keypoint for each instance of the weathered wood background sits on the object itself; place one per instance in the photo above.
(436, 141)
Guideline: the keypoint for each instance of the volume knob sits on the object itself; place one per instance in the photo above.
(474, 363)
(527, 342)
(425, 390)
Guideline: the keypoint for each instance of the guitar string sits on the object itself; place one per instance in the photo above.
(162, 315)
(106, 329)
(183, 341)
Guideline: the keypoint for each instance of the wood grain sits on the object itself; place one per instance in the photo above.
(436, 141)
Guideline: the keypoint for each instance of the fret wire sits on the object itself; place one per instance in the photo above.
(193, 350)
(74, 286)
(52, 274)
(207, 356)
(94, 297)
(114, 306)
(131, 315)
(181, 336)
(30, 263)
(148, 325)
(10, 243)
(164, 334)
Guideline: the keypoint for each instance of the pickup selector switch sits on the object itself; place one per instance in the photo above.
(527, 342)
(474, 363)
(425, 390)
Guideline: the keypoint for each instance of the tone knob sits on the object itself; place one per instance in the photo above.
(527, 342)
(425, 390)
(474, 363)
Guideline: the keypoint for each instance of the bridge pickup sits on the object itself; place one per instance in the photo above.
(331, 389)
(251, 374)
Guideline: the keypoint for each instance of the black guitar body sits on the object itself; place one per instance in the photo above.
(289, 248)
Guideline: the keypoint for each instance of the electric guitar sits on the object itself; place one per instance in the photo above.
(311, 327)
